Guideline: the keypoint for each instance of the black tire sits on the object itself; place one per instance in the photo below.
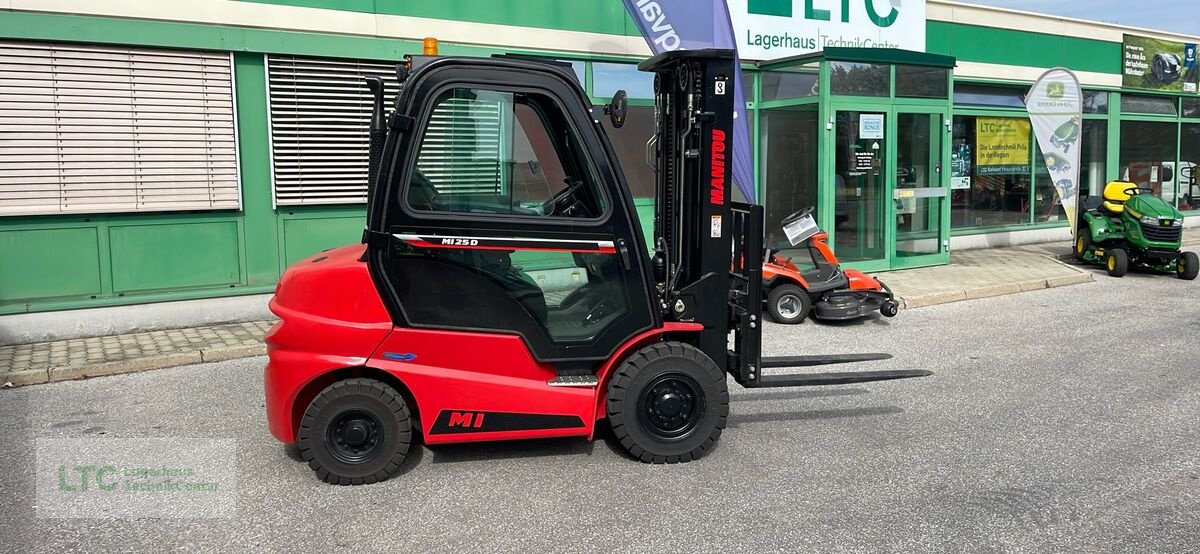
(1187, 266)
(1117, 262)
(889, 308)
(355, 432)
(788, 304)
(668, 403)
(1083, 243)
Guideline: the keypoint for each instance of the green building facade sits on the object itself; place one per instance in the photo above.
(94, 210)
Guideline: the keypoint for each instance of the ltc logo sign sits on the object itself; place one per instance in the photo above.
(768, 29)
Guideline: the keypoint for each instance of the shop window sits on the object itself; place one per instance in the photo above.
(990, 171)
(860, 79)
(748, 85)
(989, 95)
(791, 83)
(1158, 105)
(1148, 156)
(1095, 101)
(1189, 166)
(922, 82)
(579, 69)
(1092, 146)
(608, 78)
(1190, 107)
(788, 165)
(1093, 156)
(629, 142)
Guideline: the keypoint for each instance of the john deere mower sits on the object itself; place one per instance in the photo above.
(1129, 227)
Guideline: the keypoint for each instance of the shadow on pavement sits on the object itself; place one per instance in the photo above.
(798, 394)
(737, 420)
(503, 450)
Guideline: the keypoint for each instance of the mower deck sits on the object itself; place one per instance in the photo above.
(849, 305)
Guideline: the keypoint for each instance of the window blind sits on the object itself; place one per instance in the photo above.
(115, 129)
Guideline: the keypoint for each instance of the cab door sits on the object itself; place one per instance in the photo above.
(505, 213)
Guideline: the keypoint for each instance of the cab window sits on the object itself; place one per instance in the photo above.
(502, 153)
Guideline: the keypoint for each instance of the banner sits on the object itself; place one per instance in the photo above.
(687, 24)
(1055, 105)
(771, 29)
(1002, 145)
(1153, 64)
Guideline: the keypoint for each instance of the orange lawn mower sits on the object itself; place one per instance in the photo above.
(825, 290)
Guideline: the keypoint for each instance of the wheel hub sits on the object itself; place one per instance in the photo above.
(788, 306)
(672, 405)
(354, 436)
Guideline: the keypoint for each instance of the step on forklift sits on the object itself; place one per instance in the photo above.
(436, 327)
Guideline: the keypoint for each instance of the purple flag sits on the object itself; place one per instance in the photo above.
(687, 25)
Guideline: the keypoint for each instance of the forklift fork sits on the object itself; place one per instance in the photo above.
(745, 362)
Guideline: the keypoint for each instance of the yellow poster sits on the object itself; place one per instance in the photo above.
(1002, 145)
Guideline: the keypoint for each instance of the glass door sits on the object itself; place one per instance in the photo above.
(919, 191)
(860, 187)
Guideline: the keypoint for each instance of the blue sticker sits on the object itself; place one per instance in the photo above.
(1189, 55)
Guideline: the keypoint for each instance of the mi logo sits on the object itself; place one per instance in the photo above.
(466, 419)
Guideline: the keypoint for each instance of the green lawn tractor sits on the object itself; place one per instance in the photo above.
(1129, 227)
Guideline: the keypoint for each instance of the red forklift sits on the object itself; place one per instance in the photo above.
(437, 327)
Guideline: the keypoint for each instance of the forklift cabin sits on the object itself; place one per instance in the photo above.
(487, 167)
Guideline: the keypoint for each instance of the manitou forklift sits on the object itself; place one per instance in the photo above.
(504, 289)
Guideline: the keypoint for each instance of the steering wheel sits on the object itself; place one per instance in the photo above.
(797, 215)
(1137, 190)
(566, 202)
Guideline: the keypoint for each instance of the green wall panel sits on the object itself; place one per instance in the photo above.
(262, 243)
(593, 16)
(306, 236)
(42, 263)
(974, 43)
(179, 256)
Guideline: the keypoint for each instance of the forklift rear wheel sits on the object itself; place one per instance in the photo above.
(788, 303)
(1187, 266)
(355, 432)
(1117, 262)
(668, 403)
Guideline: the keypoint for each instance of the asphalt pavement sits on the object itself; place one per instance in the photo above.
(1058, 420)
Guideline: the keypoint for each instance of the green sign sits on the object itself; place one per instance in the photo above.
(1164, 65)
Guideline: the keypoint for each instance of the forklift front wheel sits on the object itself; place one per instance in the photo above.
(1117, 262)
(788, 304)
(1187, 266)
(668, 403)
(355, 432)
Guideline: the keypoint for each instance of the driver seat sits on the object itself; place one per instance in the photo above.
(1115, 196)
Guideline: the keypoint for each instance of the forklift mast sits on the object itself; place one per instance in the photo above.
(696, 225)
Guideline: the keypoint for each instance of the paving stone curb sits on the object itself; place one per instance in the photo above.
(132, 365)
(945, 297)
